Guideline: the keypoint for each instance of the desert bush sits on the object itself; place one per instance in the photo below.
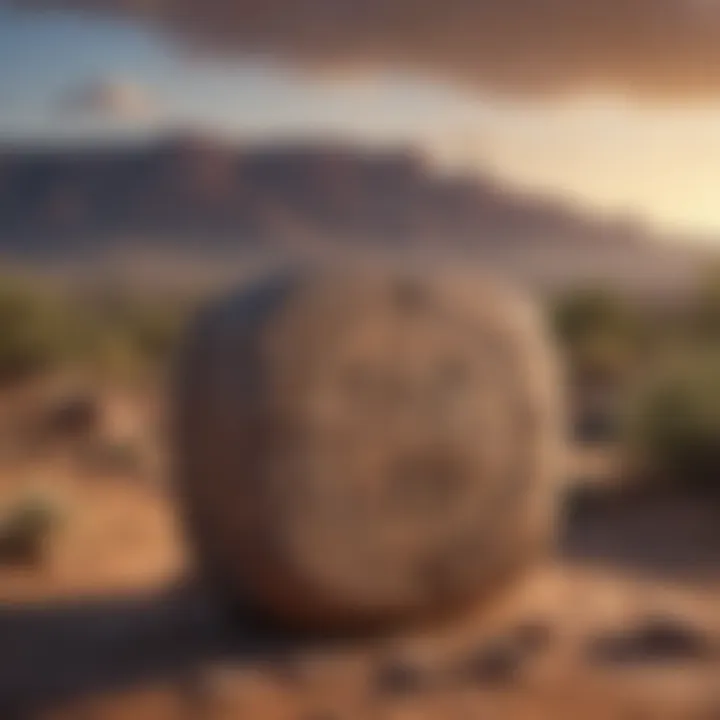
(115, 333)
(25, 529)
(673, 427)
(703, 317)
(601, 334)
(32, 330)
(126, 335)
(154, 330)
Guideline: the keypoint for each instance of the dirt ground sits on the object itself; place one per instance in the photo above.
(624, 623)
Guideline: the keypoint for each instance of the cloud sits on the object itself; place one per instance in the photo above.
(661, 49)
(115, 99)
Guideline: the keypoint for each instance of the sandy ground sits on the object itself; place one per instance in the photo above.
(624, 623)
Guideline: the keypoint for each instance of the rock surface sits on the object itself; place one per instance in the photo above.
(354, 447)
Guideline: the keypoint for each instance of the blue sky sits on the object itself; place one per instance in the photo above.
(660, 163)
(46, 58)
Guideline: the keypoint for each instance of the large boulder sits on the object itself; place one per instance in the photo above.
(356, 447)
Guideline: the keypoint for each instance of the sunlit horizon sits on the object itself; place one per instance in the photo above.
(68, 78)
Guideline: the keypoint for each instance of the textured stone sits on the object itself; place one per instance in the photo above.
(358, 446)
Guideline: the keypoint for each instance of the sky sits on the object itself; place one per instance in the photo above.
(635, 131)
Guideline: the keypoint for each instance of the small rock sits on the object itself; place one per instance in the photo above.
(499, 663)
(659, 639)
(74, 416)
(401, 677)
(285, 667)
(534, 636)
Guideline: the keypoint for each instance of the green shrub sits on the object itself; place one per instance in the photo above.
(116, 333)
(26, 527)
(125, 335)
(600, 333)
(703, 318)
(673, 433)
(153, 330)
(32, 330)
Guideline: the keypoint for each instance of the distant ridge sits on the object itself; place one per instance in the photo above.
(193, 194)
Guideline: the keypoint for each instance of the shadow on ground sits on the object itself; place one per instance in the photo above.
(669, 536)
(56, 653)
